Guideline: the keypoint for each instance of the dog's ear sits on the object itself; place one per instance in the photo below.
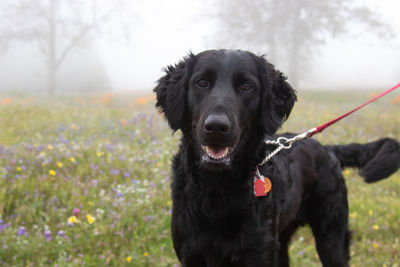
(171, 92)
(277, 98)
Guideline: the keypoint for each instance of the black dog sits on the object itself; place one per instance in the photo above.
(226, 103)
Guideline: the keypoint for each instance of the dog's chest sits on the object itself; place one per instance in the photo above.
(225, 227)
(222, 212)
(229, 215)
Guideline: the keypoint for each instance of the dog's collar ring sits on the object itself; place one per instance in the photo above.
(283, 142)
(286, 143)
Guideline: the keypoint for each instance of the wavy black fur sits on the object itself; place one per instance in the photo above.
(224, 98)
(376, 161)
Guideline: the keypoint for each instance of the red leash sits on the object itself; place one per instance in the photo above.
(286, 143)
(326, 125)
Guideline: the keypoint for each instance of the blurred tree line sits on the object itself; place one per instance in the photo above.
(292, 30)
(57, 28)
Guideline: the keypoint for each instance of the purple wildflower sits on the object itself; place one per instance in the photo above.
(95, 182)
(21, 231)
(47, 235)
(109, 147)
(61, 233)
(94, 167)
(119, 195)
(115, 172)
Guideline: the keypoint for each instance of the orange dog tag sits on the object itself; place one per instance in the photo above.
(267, 184)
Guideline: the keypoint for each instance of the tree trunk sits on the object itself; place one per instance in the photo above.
(51, 56)
(51, 80)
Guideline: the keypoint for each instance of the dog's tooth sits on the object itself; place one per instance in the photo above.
(210, 154)
(208, 151)
(225, 152)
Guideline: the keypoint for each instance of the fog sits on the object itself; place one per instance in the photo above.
(129, 53)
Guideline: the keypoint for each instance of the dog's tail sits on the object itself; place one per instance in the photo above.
(376, 160)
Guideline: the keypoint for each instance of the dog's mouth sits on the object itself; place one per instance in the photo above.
(217, 153)
(217, 157)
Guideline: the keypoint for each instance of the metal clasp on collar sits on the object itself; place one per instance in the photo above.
(285, 143)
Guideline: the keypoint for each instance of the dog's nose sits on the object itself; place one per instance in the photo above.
(217, 124)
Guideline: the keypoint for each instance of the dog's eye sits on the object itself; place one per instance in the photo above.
(203, 83)
(246, 87)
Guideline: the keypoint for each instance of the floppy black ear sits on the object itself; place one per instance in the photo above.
(171, 93)
(277, 99)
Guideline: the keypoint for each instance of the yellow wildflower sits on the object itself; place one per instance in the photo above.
(353, 215)
(50, 147)
(146, 254)
(100, 153)
(73, 219)
(375, 245)
(72, 159)
(90, 203)
(129, 259)
(346, 172)
(19, 169)
(375, 226)
(59, 164)
(90, 219)
(370, 213)
(74, 127)
(52, 172)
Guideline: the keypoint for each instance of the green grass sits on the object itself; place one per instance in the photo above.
(110, 157)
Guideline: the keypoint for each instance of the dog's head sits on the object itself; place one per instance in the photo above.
(219, 97)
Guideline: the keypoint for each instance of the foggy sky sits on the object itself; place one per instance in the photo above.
(165, 31)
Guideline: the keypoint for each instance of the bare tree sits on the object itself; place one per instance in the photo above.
(291, 30)
(55, 26)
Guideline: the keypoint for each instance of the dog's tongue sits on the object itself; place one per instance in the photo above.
(217, 152)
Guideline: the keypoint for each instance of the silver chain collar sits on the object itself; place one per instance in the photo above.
(285, 143)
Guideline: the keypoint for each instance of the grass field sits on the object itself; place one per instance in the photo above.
(84, 181)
